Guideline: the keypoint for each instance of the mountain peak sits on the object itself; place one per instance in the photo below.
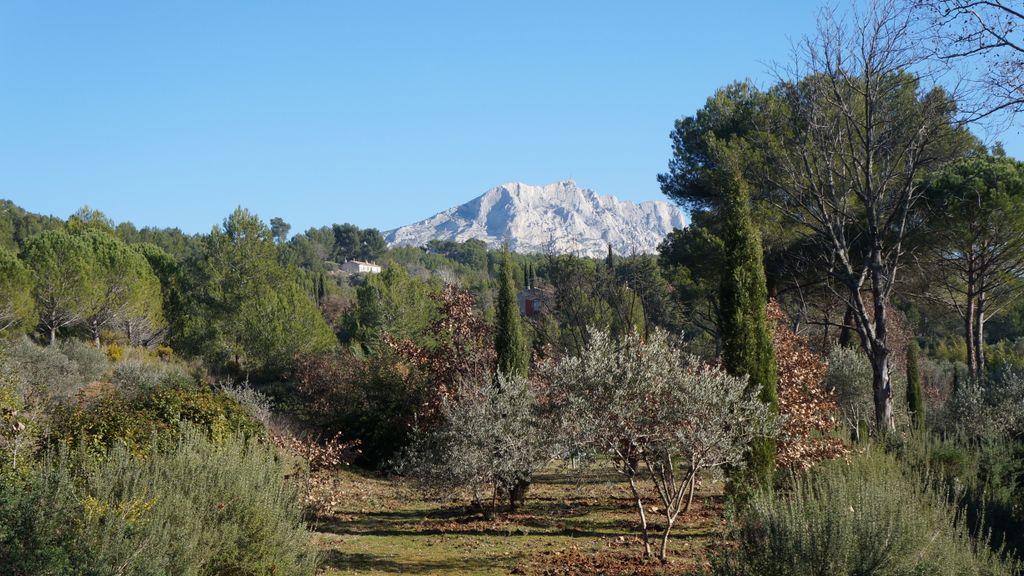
(560, 217)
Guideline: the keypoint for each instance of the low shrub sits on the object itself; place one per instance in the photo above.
(849, 379)
(375, 400)
(118, 418)
(491, 443)
(984, 477)
(193, 508)
(45, 373)
(92, 362)
(135, 375)
(255, 403)
(214, 413)
(861, 517)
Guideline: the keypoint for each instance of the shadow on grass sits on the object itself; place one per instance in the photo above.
(566, 479)
(342, 561)
(413, 523)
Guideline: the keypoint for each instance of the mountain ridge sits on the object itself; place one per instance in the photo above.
(560, 217)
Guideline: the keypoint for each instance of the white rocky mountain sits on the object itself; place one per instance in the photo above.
(557, 218)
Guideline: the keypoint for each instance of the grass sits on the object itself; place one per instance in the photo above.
(565, 528)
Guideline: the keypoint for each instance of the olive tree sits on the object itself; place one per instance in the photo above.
(491, 440)
(655, 411)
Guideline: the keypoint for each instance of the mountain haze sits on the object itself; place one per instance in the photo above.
(559, 218)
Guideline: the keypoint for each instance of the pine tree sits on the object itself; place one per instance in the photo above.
(915, 397)
(743, 295)
(509, 341)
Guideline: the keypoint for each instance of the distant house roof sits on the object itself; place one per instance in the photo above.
(360, 267)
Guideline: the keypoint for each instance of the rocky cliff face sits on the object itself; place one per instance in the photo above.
(557, 218)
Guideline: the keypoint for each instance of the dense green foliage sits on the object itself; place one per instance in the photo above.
(509, 341)
(394, 303)
(244, 307)
(976, 244)
(17, 307)
(129, 292)
(66, 291)
(743, 296)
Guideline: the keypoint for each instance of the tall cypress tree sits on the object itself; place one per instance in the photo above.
(743, 295)
(509, 340)
(915, 397)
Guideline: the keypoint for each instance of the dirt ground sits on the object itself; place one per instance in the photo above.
(567, 527)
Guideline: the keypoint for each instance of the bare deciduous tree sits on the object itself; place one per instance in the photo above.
(982, 41)
(852, 132)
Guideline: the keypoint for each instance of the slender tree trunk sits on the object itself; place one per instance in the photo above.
(883, 392)
(643, 516)
(846, 333)
(664, 538)
(879, 350)
(689, 499)
(970, 315)
(969, 332)
(53, 335)
(979, 339)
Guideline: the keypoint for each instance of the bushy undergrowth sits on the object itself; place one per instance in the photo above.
(256, 404)
(849, 377)
(114, 418)
(54, 395)
(863, 517)
(193, 507)
(374, 400)
(990, 409)
(984, 477)
(52, 372)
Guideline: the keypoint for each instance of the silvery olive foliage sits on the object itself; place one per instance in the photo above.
(992, 409)
(652, 409)
(255, 403)
(849, 378)
(491, 441)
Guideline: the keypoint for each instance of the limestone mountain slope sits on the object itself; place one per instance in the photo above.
(558, 218)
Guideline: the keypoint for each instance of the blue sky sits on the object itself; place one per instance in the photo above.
(375, 113)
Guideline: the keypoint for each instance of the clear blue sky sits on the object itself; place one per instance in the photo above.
(375, 113)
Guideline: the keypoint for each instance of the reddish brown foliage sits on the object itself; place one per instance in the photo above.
(463, 348)
(323, 379)
(808, 408)
(315, 481)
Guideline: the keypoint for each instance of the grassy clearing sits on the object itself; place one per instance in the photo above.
(565, 528)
